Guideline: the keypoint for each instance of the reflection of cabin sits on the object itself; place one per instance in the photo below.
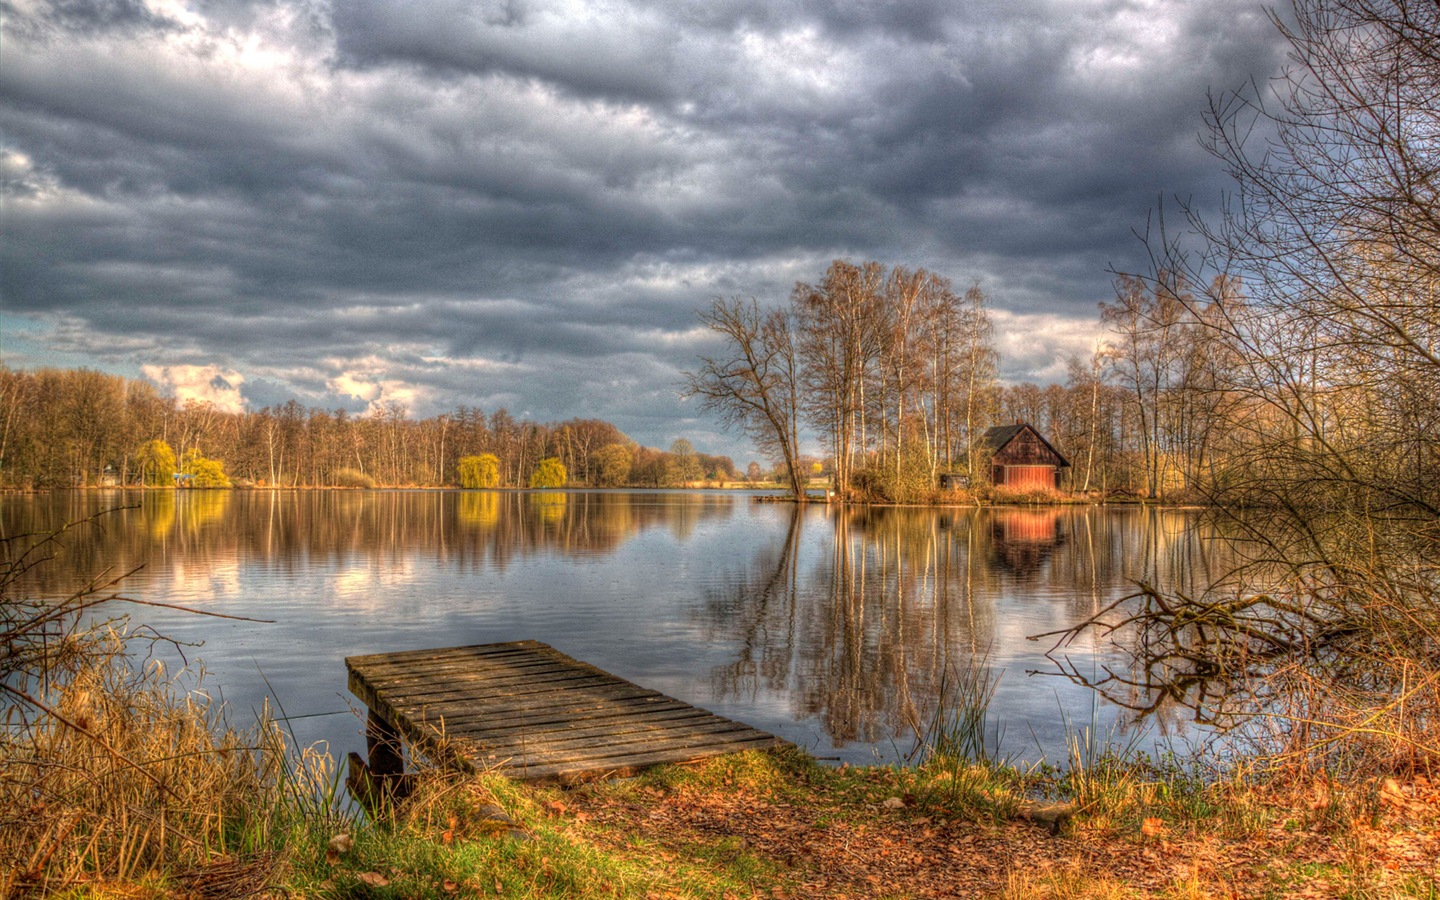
(1020, 457)
(1024, 539)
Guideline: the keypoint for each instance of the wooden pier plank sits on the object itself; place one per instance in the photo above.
(536, 714)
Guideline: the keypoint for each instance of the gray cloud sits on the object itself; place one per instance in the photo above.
(524, 202)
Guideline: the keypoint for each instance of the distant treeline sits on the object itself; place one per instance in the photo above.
(67, 428)
(78, 427)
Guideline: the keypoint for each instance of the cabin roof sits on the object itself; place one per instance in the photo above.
(997, 438)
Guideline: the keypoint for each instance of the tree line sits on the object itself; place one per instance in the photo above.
(78, 427)
(898, 374)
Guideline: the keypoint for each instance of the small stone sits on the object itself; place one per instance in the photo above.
(1050, 816)
(492, 813)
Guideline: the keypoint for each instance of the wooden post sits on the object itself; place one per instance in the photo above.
(382, 745)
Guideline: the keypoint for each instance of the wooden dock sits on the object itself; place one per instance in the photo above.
(530, 712)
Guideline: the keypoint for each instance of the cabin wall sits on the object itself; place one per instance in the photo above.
(1029, 476)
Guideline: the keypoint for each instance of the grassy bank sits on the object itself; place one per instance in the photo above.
(161, 798)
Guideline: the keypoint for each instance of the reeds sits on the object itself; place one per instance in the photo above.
(118, 771)
(122, 775)
(959, 748)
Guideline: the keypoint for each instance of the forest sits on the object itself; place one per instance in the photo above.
(70, 428)
(77, 427)
(1142, 416)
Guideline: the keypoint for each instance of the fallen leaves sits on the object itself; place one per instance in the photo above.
(339, 845)
(835, 843)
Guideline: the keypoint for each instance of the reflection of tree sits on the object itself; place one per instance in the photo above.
(861, 643)
(286, 528)
(862, 640)
(480, 509)
(900, 610)
(159, 509)
(769, 587)
(199, 510)
(550, 508)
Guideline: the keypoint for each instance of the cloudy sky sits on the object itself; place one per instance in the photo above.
(524, 203)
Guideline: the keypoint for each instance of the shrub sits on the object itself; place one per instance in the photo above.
(203, 471)
(550, 473)
(479, 472)
(353, 478)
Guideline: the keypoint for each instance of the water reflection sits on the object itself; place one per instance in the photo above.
(834, 627)
(863, 638)
(1022, 540)
(295, 529)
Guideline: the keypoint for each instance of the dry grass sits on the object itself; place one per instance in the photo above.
(118, 772)
(123, 775)
(1070, 881)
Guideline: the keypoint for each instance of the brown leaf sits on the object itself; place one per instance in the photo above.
(331, 857)
(374, 879)
(449, 887)
(342, 842)
(1152, 827)
(1392, 794)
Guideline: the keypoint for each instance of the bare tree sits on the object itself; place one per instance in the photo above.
(842, 333)
(1329, 312)
(981, 366)
(755, 385)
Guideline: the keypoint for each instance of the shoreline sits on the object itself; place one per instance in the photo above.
(771, 495)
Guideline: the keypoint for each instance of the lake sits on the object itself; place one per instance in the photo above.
(835, 628)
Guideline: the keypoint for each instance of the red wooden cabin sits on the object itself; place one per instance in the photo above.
(1021, 458)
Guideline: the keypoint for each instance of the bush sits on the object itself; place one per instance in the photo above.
(479, 472)
(912, 481)
(1039, 496)
(550, 473)
(203, 471)
(353, 478)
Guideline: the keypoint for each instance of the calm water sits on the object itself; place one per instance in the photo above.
(832, 628)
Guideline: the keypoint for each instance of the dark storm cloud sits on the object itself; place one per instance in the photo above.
(522, 203)
(88, 17)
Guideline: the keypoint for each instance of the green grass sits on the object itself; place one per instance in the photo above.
(442, 845)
